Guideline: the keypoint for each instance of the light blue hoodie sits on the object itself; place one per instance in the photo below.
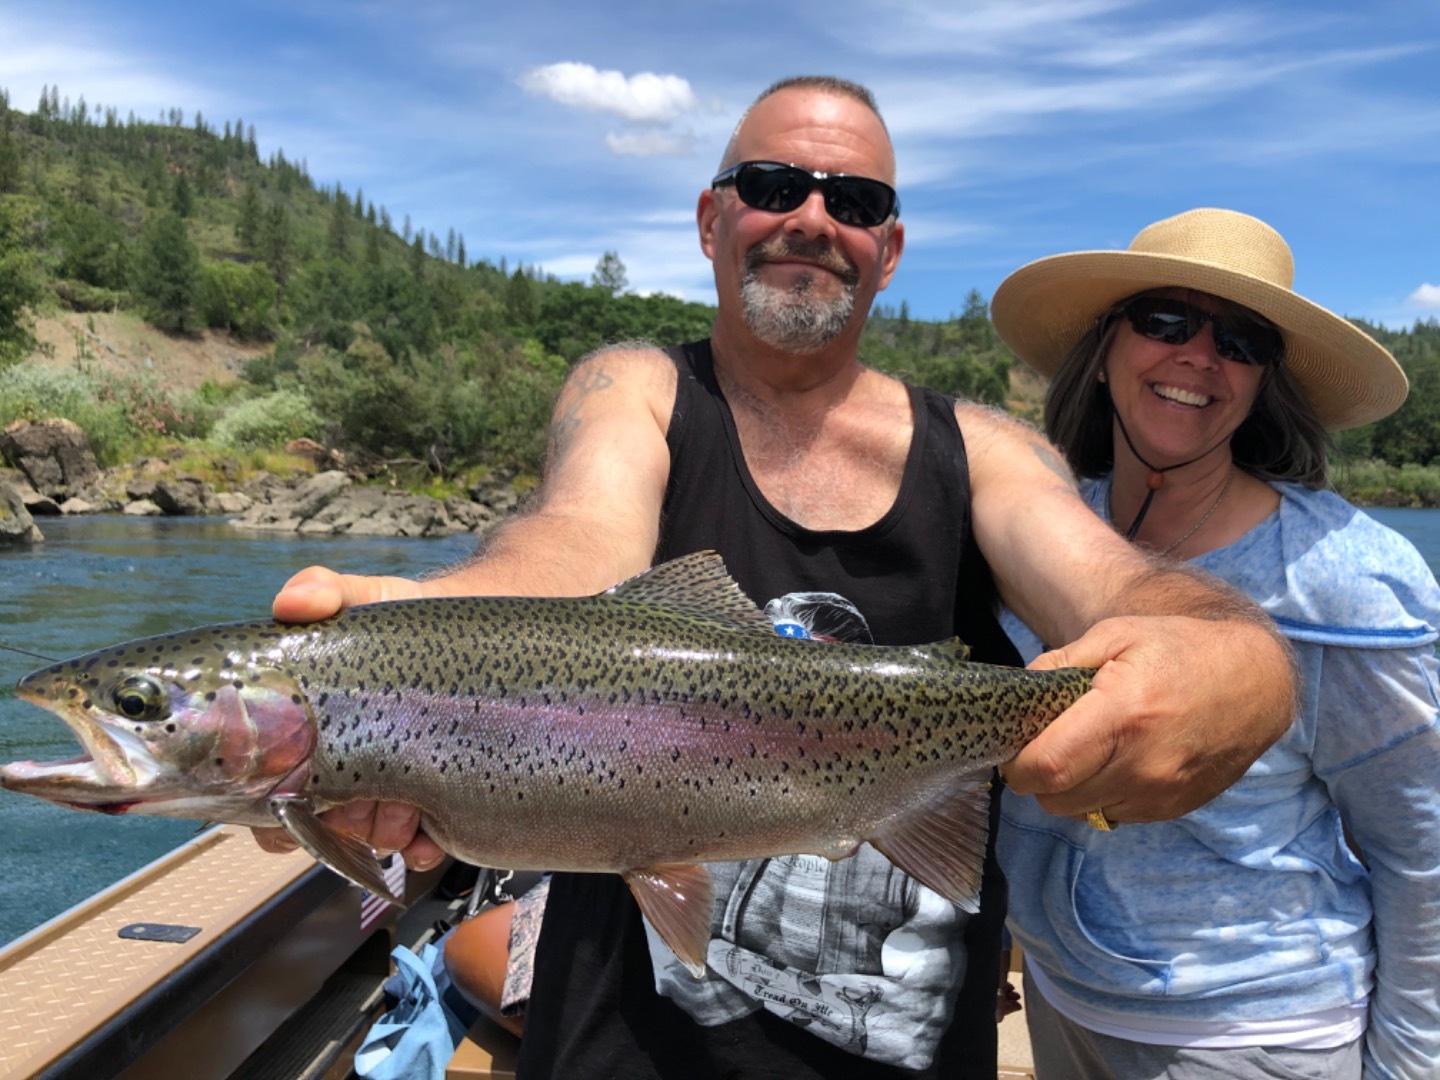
(1253, 908)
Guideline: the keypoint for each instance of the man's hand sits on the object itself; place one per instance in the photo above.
(384, 826)
(1179, 709)
(317, 593)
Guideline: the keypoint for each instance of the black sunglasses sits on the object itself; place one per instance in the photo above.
(779, 189)
(1243, 339)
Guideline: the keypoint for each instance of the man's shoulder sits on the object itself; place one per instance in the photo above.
(630, 361)
(986, 425)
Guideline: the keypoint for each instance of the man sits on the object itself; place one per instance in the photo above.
(899, 516)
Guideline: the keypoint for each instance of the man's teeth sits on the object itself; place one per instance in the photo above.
(1184, 397)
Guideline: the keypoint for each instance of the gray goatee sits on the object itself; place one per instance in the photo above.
(794, 318)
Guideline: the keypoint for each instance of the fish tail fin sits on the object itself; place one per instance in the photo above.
(942, 844)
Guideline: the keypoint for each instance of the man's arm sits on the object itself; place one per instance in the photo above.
(595, 522)
(1194, 683)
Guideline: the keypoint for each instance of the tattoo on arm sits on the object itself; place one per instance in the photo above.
(587, 380)
(1053, 461)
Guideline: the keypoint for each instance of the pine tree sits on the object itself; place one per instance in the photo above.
(247, 227)
(21, 289)
(168, 274)
(610, 274)
(339, 236)
(183, 200)
(276, 243)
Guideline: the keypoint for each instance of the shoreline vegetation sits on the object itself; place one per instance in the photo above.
(195, 309)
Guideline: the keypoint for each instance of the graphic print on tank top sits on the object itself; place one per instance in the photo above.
(854, 951)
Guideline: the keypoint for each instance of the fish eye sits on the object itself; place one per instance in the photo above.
(139, 697)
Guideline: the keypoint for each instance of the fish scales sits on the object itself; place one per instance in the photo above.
(661, 723)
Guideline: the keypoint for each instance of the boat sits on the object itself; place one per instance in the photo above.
(219, 961)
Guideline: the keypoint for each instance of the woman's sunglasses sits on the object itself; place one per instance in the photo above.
(1244, 339)
(779, 189)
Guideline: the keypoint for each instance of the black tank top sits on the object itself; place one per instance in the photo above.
(593, 1009)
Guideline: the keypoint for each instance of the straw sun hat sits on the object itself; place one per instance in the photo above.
(1043, 309)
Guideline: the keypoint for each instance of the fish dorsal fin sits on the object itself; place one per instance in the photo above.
(697, 586)
(677, 900)
(347, 855)
(952, 649)
(942, 843)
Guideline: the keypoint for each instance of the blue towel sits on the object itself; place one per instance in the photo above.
(416, 1039)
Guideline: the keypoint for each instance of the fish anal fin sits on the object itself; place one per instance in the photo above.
(942, 844)
(698, 586)
(347, 855)
(677, 899)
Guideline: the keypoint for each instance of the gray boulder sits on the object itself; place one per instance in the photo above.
(182, 496)
(16, 524)
(36, 504)
(54, 455)
(287, 510)
(231, 502)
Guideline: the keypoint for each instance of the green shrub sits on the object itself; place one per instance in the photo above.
(239, 299)
(268, 421)
(31, 391)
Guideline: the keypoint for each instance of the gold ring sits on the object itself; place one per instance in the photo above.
(1098, 820)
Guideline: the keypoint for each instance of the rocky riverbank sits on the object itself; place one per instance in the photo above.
(52, 472)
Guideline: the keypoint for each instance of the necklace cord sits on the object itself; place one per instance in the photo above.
(1156, 480)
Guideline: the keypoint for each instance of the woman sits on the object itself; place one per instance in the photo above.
(1291, 927)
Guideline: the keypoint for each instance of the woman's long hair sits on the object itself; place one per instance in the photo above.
(1281, 439)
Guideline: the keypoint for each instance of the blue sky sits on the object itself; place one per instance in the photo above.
(550, 131)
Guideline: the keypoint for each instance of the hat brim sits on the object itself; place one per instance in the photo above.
(1045, 307)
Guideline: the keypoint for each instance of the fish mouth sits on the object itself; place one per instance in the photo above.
(109, 776)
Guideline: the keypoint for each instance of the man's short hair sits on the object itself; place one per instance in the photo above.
(827, 84)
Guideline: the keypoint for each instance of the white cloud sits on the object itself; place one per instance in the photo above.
(648, 144)
(1426, 296)
(645, 97)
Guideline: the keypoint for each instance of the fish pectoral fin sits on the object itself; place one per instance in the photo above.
(347, 855)
(678, 900)
(942, 844)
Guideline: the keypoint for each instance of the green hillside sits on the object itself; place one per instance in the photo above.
(369, 336)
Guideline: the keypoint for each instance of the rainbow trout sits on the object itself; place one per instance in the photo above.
(644, 731)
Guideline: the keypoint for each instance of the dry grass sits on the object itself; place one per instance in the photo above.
(126, 344)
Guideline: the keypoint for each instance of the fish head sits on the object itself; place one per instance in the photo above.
(206, 738)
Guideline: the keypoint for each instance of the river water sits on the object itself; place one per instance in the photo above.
(100, 580)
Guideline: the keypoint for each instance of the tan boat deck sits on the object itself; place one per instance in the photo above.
(70, 982)
(76, 986)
